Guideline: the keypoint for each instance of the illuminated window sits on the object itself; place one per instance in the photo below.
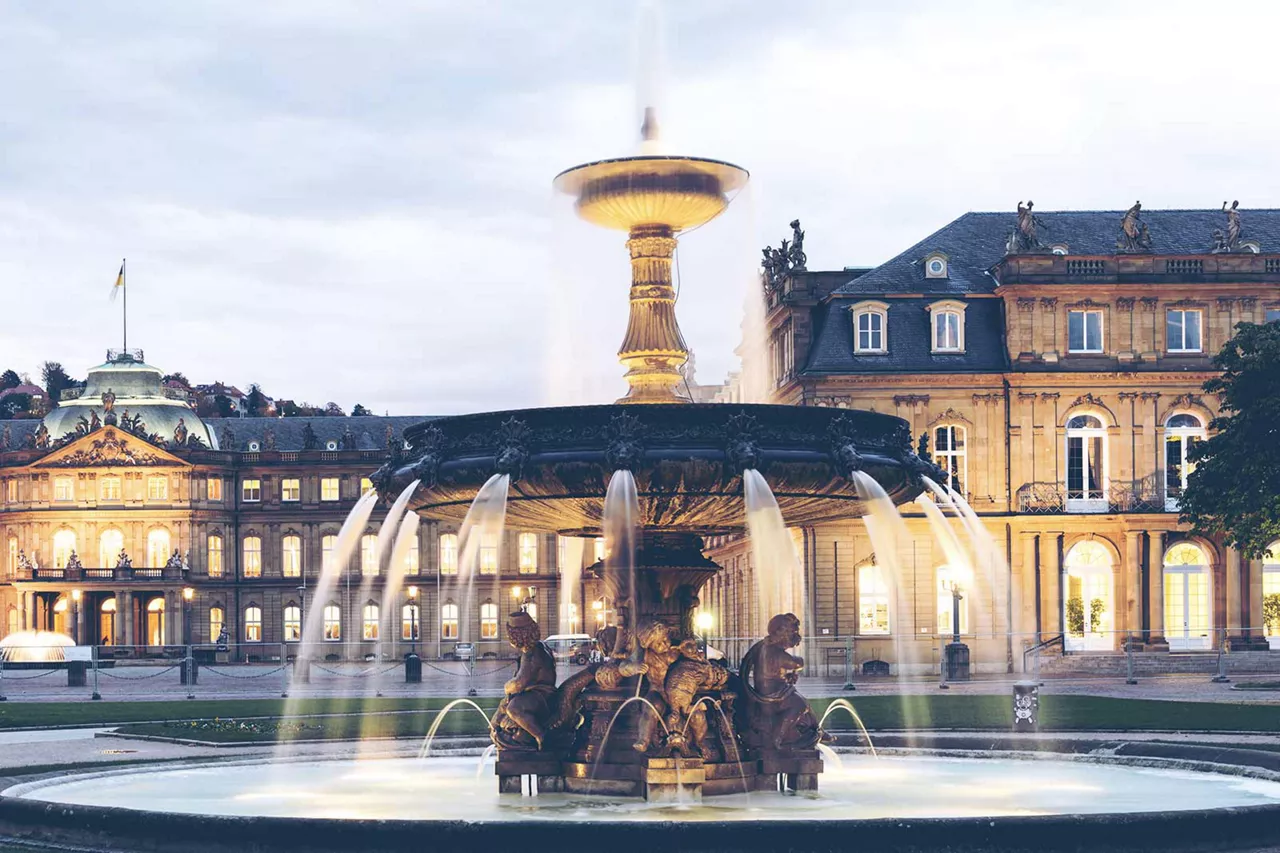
(449, 622)
(217, 618)
(328, 543)
(291, 556)
(571, 616)
(1181, 433)
(13, 556)
(599, 549)
(411, 557)
(946, 602)
(64, 545)
(368, 555)
(251, 491)
(410, 622)
(110, 544)
(562, 552)
(366, 485)
(292, 623)
(448, 553)
(158, 550)
(109, 489)
(11, 491)
(532, 609)
(528, 553)
(1084, 331)
(252, 557)
(1182, 331)
(290, 490)
(328, 488)
(253, 624)
(213, 555)
(370, 626)
(214, 487)
(332, 623)
(1271, 592)
(949, 453)
(488, 621)
(157, 488)
(873, 600)
(488, 553)
(1086, 464)
(64, 489)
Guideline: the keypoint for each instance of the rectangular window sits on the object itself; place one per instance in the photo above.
(290, 490)
(109, 489)
(949, 452)
(292, 623)
(411, 557)
(1182, 331)
(873, 601)
(64, 489)
(369, 628)
(213, 556)
(448, 553)
(253, 624)
(870, 331)
(328, 543)
(217, 619)
(332, 623)
(449, 622)
(366, 486)
(946, 331)
(488, 553)
(214, 487)
(157, 488)
(528, 553)
(11, 491)
(251, 491)
(369, 555)
(1084, 331)
(1273, 314)
(252, 557)
(291, 556)
(328, 488)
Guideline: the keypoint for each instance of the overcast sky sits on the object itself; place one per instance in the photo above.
(352, 201)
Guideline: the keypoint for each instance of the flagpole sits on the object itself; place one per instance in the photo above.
(124, 285)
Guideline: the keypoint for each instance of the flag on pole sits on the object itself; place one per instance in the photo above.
(119, 285)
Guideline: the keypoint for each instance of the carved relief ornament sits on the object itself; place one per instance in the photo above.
(109, 451)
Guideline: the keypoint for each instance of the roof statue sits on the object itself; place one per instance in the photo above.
(1025, 239)
(1230, 241)
(1134, 236)
(180, 433)
(797, 256)
(227, 438)
(40, 438)
(349, 439)
(108, 401)
(6, 438)
(309, 439)
(781, 262)
(268, 439)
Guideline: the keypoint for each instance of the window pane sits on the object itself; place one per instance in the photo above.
(1173, 466)
(1192, 327)
(1093, 331)
(1173, 329)
(448, 553)
(1095, 466)
(1075, 467)
(1075, 330)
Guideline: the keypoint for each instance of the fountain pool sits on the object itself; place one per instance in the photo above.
(862, 788)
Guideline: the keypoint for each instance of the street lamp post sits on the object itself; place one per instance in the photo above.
(413, 617)
(187, 595)
(703, 622)
(75, 616)
(957, 653)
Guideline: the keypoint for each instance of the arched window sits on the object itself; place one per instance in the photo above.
(1181, 432)
(107, 621)
(291, 556)
(869, 330)
(1271, 595)
(948, 578)
(949, 451)
(947, 320)
(253, 624)
(1086, 464)
(488, 621)
(64, 545)
(528, 543)
(328, 543)
(110, 544)
(411, 557)
(252, 557)
(410, 622)
(213, 555)
(488, 553)
(1188, 613)
(448, 553)
(873, 600)
(368, 555)
(571, 617)
(1087, 600)
(155, 622)
(217, 619)
(449, 621)
(599, 550)
(332, 623)
(13, 556)
(370, 628)
(292, 623)
(158, 550)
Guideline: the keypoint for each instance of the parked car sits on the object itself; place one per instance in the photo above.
(571, 648)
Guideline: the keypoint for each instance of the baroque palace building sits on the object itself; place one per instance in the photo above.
(1053, 363)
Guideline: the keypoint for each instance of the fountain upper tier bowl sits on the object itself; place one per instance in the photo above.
(630, 192)
(687, 459)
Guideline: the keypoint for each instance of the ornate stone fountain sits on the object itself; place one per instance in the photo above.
(656, 717)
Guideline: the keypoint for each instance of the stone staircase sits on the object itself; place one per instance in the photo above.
(1113, 664)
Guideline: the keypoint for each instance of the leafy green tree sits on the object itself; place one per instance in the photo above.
(333, 410)
(256, 404)
(224, 405)
(9, 379)
(1234, 490)
(359, 411)
(14, 405)
(56, 381)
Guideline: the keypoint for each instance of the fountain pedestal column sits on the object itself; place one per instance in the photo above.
(674, 780)
(653, 350)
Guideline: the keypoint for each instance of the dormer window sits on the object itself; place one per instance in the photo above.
(870, 327)
(935, 265)
(947, 322)
(1058, 248)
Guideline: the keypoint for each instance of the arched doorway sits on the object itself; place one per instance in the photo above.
(107, 621)
(1188, 602)
(1089, 601)
(155, 621)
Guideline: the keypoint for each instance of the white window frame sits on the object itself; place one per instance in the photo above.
(1085, 313)
(953, 460)
(109, 489)
(489, 547)
(290, 490)
(938, 314)
(157, 556)
(1089, 500)
(1183, 348)
(488, 621)
(879, 327)
(371, 622)
(213, 488)
(330, 489)
(449, 621)
(292, 623)
(64, 489)
(252, 624)
(528, 548)
(158, 488)
(331, 616)
(410, 622)
(251, 557)
(213, 555)
(64, 545)
(873, 600)
(369, 555)
(251, 490)
(448, 553)
(1182, 437)
(291, 557)
(328, 548)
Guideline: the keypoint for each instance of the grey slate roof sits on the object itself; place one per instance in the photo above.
(976, 242)
(370, 432)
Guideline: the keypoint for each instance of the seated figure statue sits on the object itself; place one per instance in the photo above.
(773, 715)
(534, 711)
(688, 679)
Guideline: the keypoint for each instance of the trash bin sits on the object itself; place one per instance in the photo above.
(412, 669)
(76, 670)
(1026, 706)
(195, 671)
(957, 657)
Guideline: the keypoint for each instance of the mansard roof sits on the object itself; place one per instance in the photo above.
(370, 432)
(976, 242)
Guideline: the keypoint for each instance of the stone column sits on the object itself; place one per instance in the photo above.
(1050, 584)
(1132, 583)
(1155, 587)
(1027, 627)
(1233, 597)
(124, 610)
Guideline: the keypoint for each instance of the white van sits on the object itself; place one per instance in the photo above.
(571, 648)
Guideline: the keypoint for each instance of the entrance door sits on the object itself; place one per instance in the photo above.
(1088, 601)
(1187, 620)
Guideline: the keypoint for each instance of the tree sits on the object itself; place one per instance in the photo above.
(9, 379)
(56, 381)
(359, 411)
(333, 410)
(224, 405)
(1234, 490)
(177, 377)
(256, 404)
(14, 405)
(287, 409)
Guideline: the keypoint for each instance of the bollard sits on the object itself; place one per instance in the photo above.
(471, 675)
(284, 670)
(76, 670)
(412, 668)
(93, 659)
(848, 664)
(1224, 648)
(1128, 659)
(1026, 706)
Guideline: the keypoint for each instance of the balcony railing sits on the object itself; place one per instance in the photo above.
(1137, 268)
(1145, 495)
(99, 574)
